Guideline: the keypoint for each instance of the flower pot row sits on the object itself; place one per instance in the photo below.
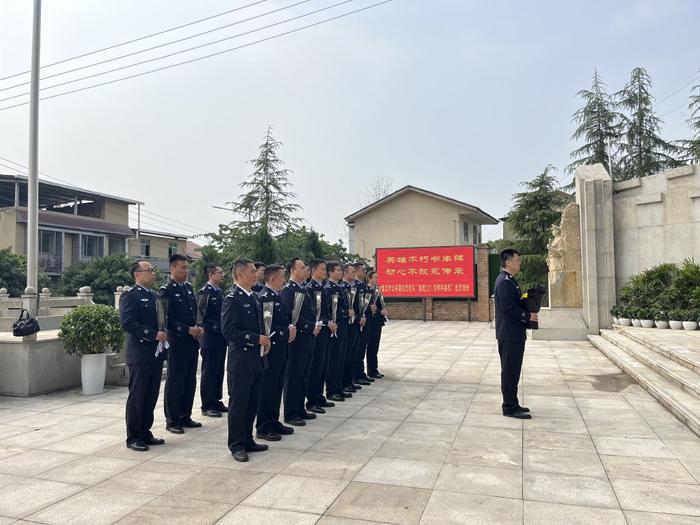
(656, 323)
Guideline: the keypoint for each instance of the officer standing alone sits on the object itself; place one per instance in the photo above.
(511, 322)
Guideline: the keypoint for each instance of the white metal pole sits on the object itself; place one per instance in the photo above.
(33, 182)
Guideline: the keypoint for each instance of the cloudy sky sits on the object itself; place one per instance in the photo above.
(460, 97)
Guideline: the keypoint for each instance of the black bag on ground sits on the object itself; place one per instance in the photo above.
(25, 324)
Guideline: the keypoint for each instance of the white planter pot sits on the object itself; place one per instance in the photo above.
(624, 321)
(92, 373)
(663, 325)
(637, 323)
(616, 320)
(690, 325)
(676, 325)
(647, 323)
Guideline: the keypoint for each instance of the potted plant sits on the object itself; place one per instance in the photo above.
(89, 331)
(624, 316)
(646, 316)
(634, 314)
(615, 312)
(675, 319)
(690, 320)
(661, 319)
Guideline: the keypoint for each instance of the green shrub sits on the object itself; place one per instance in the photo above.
(661, 315)
(91, 329)
(676, 314)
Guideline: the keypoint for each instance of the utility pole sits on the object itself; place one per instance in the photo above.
(33, 182)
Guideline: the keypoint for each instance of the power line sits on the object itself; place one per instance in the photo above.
(168, 55)
(291, 31)
(156, 47)
(685, 104)
(139, 38)
(678, 90)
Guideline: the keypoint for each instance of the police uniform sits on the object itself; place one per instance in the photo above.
(375, 322)
(181, 384)
(268, 420)
(363, 338)
(257, 288)
(242, 326)
(301, 352)
(337, 346)
(137, 311)
(319, 363)
(511, 322)
(213, 350)
(353, 339)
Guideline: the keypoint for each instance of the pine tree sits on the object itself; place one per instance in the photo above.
(598, 127)
(691, 148)
(644, 152)
(268, 200)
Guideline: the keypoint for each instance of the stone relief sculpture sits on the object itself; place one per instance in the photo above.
(564, 260)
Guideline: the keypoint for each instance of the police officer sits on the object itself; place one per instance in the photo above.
(363, 338)
(376, 319)
(242, 326)
(338, 339)
(268, 425)
(315, 400)
(137, 310)
(183, 332)
(212, 342)
(353, 344)
(511, 321)
(301, 350)
(259, 277)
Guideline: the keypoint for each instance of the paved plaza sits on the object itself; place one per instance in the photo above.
(427, 444)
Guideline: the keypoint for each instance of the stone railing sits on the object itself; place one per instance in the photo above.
(47, 309)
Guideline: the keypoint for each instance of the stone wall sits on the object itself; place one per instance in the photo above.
(657, 220)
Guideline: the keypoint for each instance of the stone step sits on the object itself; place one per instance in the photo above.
(681, 404)
(683, 377)
(678, 345)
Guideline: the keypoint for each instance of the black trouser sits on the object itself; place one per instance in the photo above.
(271, 395)
(212, 381)
(301, 352)
(511, 354)
(181, 384)
(337, 350)
(351, 354)
(144, 386)
(363, 340)
(319, 370)
(375, 336)
(244, 395)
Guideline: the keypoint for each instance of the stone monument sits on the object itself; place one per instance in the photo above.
(564, 260)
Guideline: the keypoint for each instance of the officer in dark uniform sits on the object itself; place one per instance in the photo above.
(375, 322)
(259, 277)
(268, 425)
(338, 341)
(212, 342)
(242, 326)
(137, 310)
(511, 321)
(349, 384)
(363, 338)
(183, 332)
(315, 400)
(301, 350)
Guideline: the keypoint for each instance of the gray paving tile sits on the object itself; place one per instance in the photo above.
(261, 516)
(219, 485)
(487, 481)
(296, 493)
(450, 508)
(22, 498)
(176, 511)
(646, 469)
(540, 513)
(326, 465)
(649, 496)
(652, 518)
(396, 471)
(574, 490)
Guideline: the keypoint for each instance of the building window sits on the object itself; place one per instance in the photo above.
(475, 234)
(465, 232)
(91, 246)
(172, 249)
(145, 247)
(49, 242)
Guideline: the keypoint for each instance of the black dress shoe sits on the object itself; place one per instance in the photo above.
(349, 390)
(211, 413)
(376, 375)
(268, 436)
(369, 379)
(154, 441)
(285, 431)
(240, 454)
(298, 422)
(255, 447)
(221, 408)
(317, 410)
(138, 446)
(363, 382)
(327, 404)
(336, 397)
(523, 409)
(518, 415)
(357, 386)
(345, 394)
(191, 424)
(175, 429)
(307, 415)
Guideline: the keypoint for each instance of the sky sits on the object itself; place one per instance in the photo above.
(463, 98)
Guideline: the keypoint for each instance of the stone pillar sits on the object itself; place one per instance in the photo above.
(4, 303)
(85, 293)
(117, 295)
(481, 310)
(594, 195)
(44, 296)
(29, 303)
(428, 308)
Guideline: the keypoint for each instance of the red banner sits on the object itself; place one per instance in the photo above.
(427, 272)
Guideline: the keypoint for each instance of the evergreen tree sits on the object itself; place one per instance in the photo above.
(691, 148)
(268, 200)
(598, 127)
(644, 152)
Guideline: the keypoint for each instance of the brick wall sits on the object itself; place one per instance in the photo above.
(444, 310)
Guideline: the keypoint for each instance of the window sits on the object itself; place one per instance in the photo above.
(91, 246)
(49, 242)
(465, 232)
(475, 234)
(172, 249)
(145, 247)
